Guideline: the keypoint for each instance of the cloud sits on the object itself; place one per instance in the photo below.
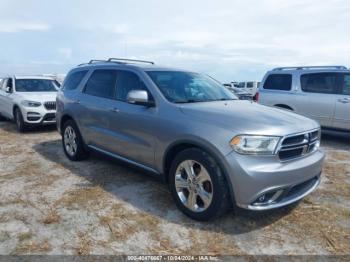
(65, 52)
(120, 29)
(230, 39)
(17, 26)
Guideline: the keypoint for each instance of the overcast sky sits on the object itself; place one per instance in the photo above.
(230, 40)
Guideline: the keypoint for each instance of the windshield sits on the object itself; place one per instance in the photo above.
(187, 87)
(36, 85)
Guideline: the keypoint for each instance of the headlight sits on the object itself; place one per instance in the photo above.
(252, 144)
(30, 103)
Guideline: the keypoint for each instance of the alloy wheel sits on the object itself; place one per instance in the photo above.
(193, 185)
(70, 141)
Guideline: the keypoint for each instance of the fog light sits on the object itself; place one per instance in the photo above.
(262, 198)
(268, 198)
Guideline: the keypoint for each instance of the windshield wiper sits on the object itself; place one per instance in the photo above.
(226, 99)
(189, 101)
(204, 100)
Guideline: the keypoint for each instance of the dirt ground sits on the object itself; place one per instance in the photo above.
(49, 205)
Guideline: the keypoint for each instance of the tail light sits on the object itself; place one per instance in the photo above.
(256, 97)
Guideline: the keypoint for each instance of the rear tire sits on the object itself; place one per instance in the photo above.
(199, 200)
(72, 142)
(18, 118)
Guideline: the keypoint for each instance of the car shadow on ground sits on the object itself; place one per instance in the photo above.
(37, 129)
(149, 194)
(335, 140)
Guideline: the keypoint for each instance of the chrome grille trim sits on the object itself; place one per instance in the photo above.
(50, 105)
(291, 151)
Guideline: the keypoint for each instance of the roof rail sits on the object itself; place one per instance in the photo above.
(129, 60)
(93, 61)
(96, 61)
(308, 67)
(116, 60)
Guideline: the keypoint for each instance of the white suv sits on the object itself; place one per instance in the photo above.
(28, 100)
(318, 92)
(250, 87)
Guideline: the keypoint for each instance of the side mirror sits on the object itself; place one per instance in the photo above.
(139, 97)
(8, 89)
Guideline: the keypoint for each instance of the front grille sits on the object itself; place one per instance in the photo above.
(50, 105)
(302, 187)
(299, 145)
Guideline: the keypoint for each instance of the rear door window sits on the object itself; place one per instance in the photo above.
(324, 83)
(73, 80)
(278, 82)
(101, 83)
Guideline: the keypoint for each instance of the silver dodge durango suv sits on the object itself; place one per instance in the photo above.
(214, 150)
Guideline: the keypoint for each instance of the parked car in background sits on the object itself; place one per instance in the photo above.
(250, 87)
(58, 77)
(240, 93)
(214, 150)
(319, 92)
(28, 100)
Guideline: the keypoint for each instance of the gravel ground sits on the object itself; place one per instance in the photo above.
(49, 205)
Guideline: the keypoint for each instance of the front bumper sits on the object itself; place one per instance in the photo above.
(264, 182)
(38, 115)
(287, 196)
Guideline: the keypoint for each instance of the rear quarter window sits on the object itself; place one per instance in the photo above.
(278, 82)
(74, 79)
(324, 83)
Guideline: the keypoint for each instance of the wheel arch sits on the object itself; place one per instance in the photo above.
(176, 147)
(63, 120)
(14, 107)
(284, 106)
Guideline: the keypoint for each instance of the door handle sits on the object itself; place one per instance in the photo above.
(76, 102)
(114, 110)
(344, 100)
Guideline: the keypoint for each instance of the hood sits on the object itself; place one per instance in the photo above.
(38, 96)
(246, 117)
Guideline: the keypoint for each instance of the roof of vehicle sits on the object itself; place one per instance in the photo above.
(309, 69)
(31, 77)
(128, 63)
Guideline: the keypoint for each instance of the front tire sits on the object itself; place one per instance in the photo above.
(73, 144)
(2, 118)
(18, 117)
(198, 185)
